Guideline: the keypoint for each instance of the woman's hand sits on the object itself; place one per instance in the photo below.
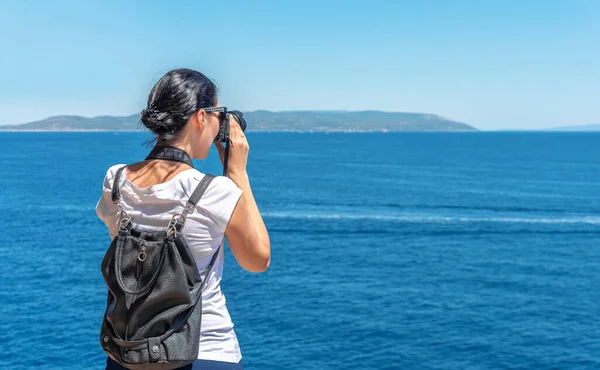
(238, 149)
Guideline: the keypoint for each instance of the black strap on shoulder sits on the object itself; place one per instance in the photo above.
(200, 189)
(178, 221)
(115, 193)
(170, 153)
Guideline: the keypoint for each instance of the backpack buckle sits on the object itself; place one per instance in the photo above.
(124, 219)
(124, 222)
(176, 223)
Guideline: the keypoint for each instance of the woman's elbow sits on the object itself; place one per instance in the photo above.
(261, 262)
(259, 267)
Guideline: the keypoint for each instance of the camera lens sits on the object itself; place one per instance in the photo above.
(240, 118)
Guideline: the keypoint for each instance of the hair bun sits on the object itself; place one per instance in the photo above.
(161, 122)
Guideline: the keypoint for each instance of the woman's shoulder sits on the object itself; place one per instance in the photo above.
(220, 184)
(219, 199)
(111, 173)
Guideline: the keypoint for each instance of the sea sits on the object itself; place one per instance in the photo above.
(465, 250)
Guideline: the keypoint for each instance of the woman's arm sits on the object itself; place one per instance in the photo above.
(246, 232)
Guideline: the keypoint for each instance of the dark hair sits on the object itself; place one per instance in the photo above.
(174, 99)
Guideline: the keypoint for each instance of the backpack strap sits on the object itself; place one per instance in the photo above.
(200, 190)
(115, 193)
(124, 219)
(178, 221)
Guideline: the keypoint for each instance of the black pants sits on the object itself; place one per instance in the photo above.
(197, 365)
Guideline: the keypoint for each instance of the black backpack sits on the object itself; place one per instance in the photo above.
(154, 307)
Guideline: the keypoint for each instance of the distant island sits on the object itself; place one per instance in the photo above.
(590, 127)
(262, 120)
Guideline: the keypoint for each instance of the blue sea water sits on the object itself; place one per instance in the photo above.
(389, 251)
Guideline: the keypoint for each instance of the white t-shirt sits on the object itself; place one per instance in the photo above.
(151, 209)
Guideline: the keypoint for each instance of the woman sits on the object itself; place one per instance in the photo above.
(154, 189)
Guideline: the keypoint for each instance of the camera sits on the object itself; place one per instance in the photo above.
(223, 134)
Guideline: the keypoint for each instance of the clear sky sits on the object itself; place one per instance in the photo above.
(493, 64)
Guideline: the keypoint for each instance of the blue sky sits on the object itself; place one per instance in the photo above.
(493, 64)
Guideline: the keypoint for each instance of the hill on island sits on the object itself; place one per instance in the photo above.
(269, 121)
(590, 127)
